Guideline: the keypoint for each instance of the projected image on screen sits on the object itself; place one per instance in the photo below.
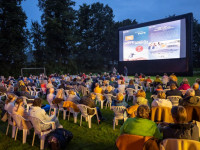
(160, 41)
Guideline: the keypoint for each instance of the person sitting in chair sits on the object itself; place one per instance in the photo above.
(161, 101)
(37, 112)
(174, 91)
(141, 125)
(180, 129)
(196, 89)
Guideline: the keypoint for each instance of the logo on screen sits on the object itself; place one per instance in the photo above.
(139, 48)
(129, 38)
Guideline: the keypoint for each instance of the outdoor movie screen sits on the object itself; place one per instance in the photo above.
(159, 41)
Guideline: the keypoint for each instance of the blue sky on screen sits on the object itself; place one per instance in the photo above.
(141, 10)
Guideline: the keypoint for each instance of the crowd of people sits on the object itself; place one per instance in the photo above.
(85, 89)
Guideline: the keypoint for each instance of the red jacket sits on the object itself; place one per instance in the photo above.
(184, 87)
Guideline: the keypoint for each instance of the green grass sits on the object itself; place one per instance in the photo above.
(99, 137)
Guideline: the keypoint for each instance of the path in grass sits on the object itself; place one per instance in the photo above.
(99, 137)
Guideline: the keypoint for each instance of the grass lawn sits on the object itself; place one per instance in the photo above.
(99, 137)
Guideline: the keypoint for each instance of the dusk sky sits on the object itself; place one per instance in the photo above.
(141, 10)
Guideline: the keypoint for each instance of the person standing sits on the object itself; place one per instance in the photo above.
(114, 71)
(125, 71)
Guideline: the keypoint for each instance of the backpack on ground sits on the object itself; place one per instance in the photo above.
(58, 139)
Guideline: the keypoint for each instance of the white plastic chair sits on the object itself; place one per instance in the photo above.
(98, 99)
(130, 93)
(36, 122)
(75, 114)
(18, 120)
(174, 100)
(84, 113)
(25, 99)
(36, 91)
(120, 114)
(108, 100)
(31, 91)
(10, 122)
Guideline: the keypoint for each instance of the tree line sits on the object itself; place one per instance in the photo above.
(67, 40)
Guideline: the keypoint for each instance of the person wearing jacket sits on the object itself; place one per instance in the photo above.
(180, 129)
(141, 125)
(190, 99)
(37, 112)
(184, 86)
(161, 101)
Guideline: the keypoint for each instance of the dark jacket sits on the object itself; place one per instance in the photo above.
(181, 131)
(88, 102)
(175, 92)
(197, 92)
(190, 101)
(170, 82)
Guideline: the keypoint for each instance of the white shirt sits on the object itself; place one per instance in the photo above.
(50, 98)
(9, 107)
(161, 103)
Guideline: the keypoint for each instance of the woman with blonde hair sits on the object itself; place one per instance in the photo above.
(161, 101)
(73, 97)
(20, 110)
(140, 98)
(10, 102)
(119, 101)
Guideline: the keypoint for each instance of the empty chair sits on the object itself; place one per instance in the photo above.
(119, 114)
(174, 100)
(84, 113)
(37, 123)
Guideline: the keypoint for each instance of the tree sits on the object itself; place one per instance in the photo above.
(13, 37)
(94, 30)
(38, 42)
(58, 21)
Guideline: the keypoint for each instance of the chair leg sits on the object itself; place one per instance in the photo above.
(81, 120)
(25, 131)
(110, 106)
(13, 131)
(75, 117)
(101, 104)
(16, 134)
(114, 124)
(42, 139)
(50, 111)
(89, 121)
(68, 115)
(33, 138)
(7, 129)
(64, 114)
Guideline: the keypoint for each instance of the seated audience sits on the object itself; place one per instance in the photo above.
(190, 99)
(184, 86)
(10, 103)
(121, 87)
(161, 101)
(196, 89)
(20, 110)
(60, 97)
(131, 84)
(141, 125)
(99, 90)
(109, 90)
(50, 96)
(165, 79)
(174, 91)
(90, 102)
(38, 112)
(157, 81)
(180, 129)
(158, 89)
(49, 85)
(140, 98)
(73, 97)
(24, 92)
(119, 101)
(172, 79)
